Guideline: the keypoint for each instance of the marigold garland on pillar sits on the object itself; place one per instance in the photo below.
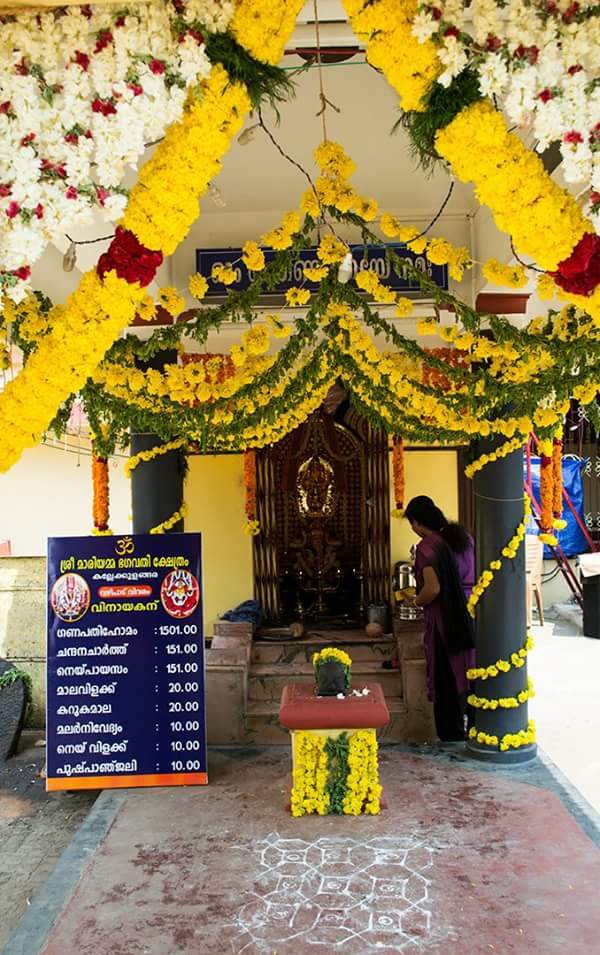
(100, 495)
(336, 775)
(557, 488)
(252, 526)
(142, 457)
(399, 479)
(509, 552)
(546, 493)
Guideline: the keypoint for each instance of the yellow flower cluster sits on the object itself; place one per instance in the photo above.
(263, 27)
(513, 276)
(332, 187)
(146, 310)
(34, 323)
(509, 551)
(142, 456)
(224, 274)
(385, 26)
(503, 702)
(509, 741)
(197, 286)
(283, 237)
(369, 282)
(502, 452)
(331, 653)
(309, 793)
(253, 257)
(331, 249)
(363, 788)
(171, 300)
(315, 273)
(252, 528)
(438, 250)
(164, 202)
(190, 384)
(297, 296)
(170, 522)
(517, 660)
(512, 181)
(66, 357)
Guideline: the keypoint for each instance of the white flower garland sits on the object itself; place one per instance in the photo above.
(82, 91)
(540, 60)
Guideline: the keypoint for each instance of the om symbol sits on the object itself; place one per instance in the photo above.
(124, 546)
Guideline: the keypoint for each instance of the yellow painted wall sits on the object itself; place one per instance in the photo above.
(427, 472)
(214, 495)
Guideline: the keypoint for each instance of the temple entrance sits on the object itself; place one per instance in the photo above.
(323, 555)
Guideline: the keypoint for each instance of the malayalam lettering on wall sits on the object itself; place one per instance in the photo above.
(125, 696)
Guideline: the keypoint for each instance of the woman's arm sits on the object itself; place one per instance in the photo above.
(430, 589)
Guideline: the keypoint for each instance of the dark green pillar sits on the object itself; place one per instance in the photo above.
(501, 614)
(156, 485)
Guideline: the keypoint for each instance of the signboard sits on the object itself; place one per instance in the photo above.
(374, 260)
(125, 687)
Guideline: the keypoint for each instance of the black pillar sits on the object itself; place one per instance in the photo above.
(501, 614)
(156, 485)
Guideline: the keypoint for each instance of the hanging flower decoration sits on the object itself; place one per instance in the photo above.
(335, 776)
(88, 89)
(557, 483)
(100, 495)
(252, 526)
(546, 493)
(398, 473)
(509, 552)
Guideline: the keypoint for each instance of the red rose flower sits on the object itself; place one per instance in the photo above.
(71, 193)
(157, 67)
(493, 43)
(452, 31)
(545, 95)
(5, 190)
(129, 259)
(104, 38)
(594, 197)
(580, 273)
(82, 60)
(13, 209)
(6, 107)
(573, 137)
(136, 89)
(72, 138)
(101, 194)
(574, 69)
(39, 211)
(23, 273)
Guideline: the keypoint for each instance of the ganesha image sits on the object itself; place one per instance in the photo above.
(180, 593)
(70, 597)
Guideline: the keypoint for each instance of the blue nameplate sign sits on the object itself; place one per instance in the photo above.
(375, 257)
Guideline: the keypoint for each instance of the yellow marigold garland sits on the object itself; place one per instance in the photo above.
(136, 459)
(65, 358)
(170, 522)
(504, 702)
(502, 452)
(509, 741)
(512, 181)
(262, 27)
(364, 790)
(509, 551)
(310, 775)
(517, 660)
(386, 27)
(164, 202)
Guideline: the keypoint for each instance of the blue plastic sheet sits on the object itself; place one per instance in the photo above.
(571, 539)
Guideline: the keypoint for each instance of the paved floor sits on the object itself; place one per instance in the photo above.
(34, 830)
(466, 859)
(565, 667)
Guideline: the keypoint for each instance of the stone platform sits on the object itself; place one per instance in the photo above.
(466, 859)
(246, 674)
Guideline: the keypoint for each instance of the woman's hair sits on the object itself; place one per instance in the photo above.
(422, 510)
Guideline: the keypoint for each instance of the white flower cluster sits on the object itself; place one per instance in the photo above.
(540, 60)
(83, 91)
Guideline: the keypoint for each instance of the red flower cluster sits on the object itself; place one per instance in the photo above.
(106, 107)
(580, 273)
(129, 259)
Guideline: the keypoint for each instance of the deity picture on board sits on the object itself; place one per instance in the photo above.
(180, 593)
(70, 597)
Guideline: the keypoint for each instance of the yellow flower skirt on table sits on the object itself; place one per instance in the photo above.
(334, 767)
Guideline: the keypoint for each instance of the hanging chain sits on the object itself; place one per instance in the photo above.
(324, 101)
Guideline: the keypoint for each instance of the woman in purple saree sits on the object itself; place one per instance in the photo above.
(445, 574)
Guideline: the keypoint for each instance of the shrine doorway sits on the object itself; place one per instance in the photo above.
(322, 496)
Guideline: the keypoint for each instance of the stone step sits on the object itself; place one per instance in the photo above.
(266, 680)
(263, 726)
(298, 651)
